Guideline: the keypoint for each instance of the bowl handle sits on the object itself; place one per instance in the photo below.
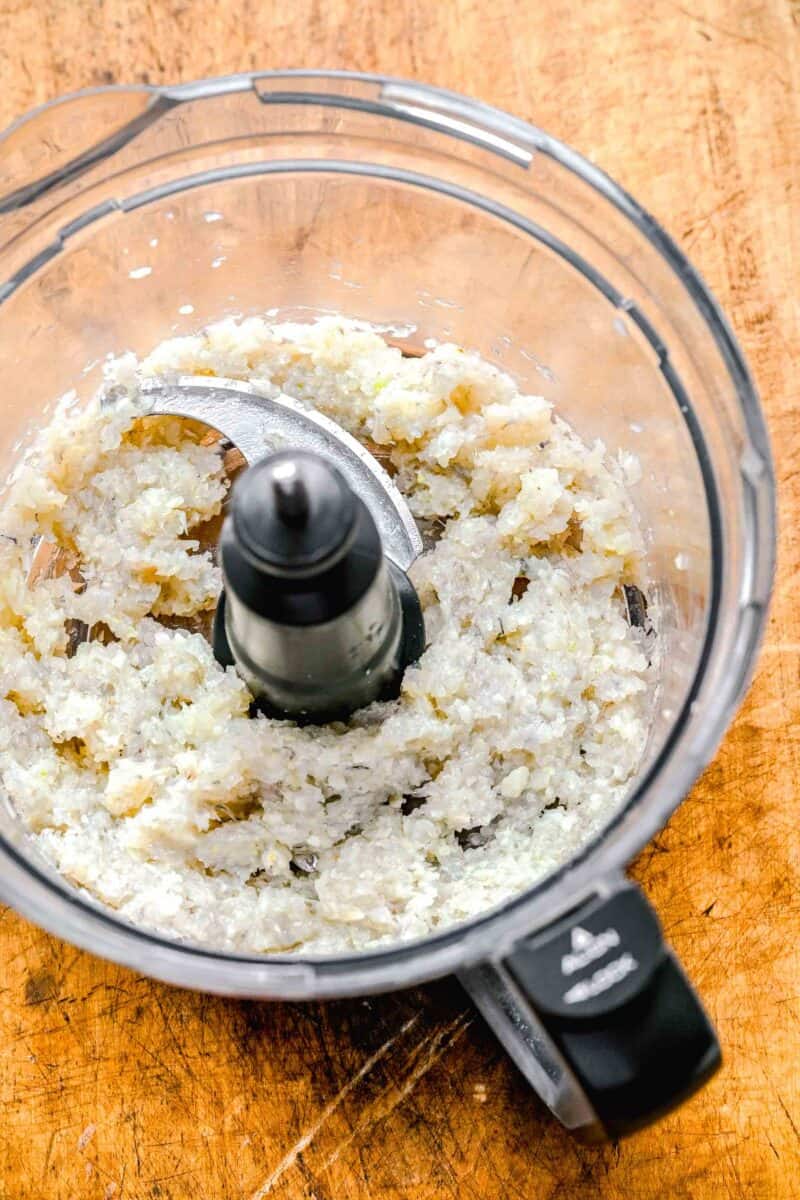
(598, 1015)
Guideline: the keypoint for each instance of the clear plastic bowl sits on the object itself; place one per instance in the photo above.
(130, 213)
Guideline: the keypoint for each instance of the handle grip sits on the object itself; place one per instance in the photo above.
(598, 1014)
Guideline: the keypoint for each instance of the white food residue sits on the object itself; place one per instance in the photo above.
(130, 755)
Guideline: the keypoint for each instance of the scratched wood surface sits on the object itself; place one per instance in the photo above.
(112, 1086)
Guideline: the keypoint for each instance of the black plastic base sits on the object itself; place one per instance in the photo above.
(219, 638)
(413, 643)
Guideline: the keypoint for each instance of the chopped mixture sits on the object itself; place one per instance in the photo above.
(130, 754)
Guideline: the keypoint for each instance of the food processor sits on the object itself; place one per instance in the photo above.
(131, 213)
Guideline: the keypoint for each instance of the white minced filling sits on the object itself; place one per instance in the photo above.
(133, 761)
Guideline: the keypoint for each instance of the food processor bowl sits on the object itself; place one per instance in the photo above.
(130, 213)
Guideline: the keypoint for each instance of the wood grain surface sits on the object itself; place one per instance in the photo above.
(115, 1087)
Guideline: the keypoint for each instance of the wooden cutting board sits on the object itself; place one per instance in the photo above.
(116, 1087)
